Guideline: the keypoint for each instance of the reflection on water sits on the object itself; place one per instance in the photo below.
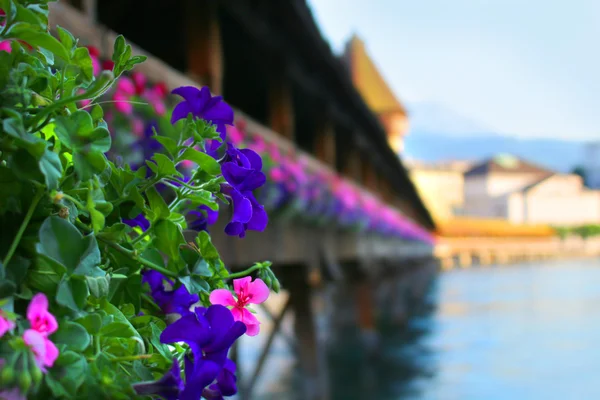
(516, 332)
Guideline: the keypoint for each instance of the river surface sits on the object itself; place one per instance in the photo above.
(519, 332)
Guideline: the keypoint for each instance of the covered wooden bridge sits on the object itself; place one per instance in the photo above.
(269, 60)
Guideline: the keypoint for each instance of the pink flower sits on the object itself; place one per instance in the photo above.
(126, 86)
(43, 324)
(37, 313)
(155, 98)
(247, 292)
(137, 127)
(5, 324)
(122, 103)
(5, 46)
(12, 394)
(44, 351)
(235, 135)
(139, 81)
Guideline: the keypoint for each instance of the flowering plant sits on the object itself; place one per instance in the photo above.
(110, 285)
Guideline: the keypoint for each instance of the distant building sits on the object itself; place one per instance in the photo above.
(441, 186)
(514, 189)
(376, 92)
(592, 165)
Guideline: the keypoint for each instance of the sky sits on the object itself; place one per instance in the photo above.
(526, 68)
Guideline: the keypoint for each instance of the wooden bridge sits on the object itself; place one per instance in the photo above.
(470, 242)
(269, 60)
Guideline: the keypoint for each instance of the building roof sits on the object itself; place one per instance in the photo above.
(507, 164)
(368, 80)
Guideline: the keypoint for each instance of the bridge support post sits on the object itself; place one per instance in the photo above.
(366, 314)
(310, 354)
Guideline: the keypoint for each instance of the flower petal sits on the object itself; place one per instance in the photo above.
(191, 329)
(37, 342)
(242, 207)
(51, 353)
(222, 297)
(204, 373)
(190, 94)
(252, 324)
(241, 285)
(253, 158)
(180, 111)
(257, 291)
(219, 113)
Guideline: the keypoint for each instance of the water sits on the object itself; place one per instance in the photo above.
(513, 332)
(517, 332)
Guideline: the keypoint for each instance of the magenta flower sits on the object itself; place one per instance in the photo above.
(247, 292)
(44, 351)
(43, 324)
(5, 324)
(5, 46)
(41, 320)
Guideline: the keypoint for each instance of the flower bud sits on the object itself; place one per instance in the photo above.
(7, 376)
(38, 100)
(24, 381)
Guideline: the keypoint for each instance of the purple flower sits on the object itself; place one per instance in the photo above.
(242, 171)
(140, 221)
(176, 301)
(202, 217)
(201, 104)
(225, 385)
(209, 332)
(168, 387)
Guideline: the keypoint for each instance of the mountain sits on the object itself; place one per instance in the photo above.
(438, 134)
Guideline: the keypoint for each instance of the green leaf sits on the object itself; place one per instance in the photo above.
(116, 329)
(66, 38)
(169, 144)
(204, 161)
(51, 168)
(98, 285)
(207, 249)
(73, 335)
(91, 322)
(194, 284)
(114, 233)
(72, 293)
(143, 373)
(163, 166)
(46, 274)
(118, 48)
(168, 238)
(81, 58)
(119, 317)
(62, 242)
(87, 165)
(157, 204)
(155, 340)
(77, 132)
(41, 39)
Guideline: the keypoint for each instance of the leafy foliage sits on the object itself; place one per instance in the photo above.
(62, 207)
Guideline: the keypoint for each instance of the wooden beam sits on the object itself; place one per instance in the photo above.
(370, 176)
(204, 44)
(353, 167)
(290, 340)
(247, 392)
(281, 105)
(325, 141)
(311, 357)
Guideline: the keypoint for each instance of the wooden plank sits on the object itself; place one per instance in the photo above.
(204, 43)
(247, 390)
(311, 356)
(281, 106)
